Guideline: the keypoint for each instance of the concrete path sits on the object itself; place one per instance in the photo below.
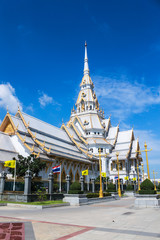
(111, 220)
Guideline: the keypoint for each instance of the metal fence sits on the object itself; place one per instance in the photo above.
(19, 186)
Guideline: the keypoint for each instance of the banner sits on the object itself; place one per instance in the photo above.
(103, 174)
(10, 164)
(85, 172)
(126, 178)
(134, 179)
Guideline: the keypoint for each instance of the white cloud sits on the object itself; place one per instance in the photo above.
(122, 97)
(45, 100)
(8, 98)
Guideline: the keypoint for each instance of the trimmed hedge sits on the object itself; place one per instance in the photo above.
(75, 192)
(75, 188)
(147, 185)
(96, 195)
(147, 192)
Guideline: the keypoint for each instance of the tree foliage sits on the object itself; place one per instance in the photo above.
(35, 165)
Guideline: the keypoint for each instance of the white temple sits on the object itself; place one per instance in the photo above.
(75, 146)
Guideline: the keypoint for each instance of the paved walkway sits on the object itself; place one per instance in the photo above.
(111, 220)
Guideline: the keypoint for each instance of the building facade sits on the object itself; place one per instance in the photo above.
(75, 145)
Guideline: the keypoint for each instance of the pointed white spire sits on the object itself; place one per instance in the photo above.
(86, 67)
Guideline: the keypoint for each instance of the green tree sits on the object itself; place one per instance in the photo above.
(35, 165)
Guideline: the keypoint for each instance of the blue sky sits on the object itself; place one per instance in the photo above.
(42, 52)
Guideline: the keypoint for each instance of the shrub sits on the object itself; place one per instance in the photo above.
(147, 185)
(129, 187)
(96, 195)
(55, 187)
(41, 193)
(147, 192)
(158, 187)
(92, 195)
(75, 186)
(106, 194)
(111, 187)
(75, 192)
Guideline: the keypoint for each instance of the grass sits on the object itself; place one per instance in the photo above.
(37, 203)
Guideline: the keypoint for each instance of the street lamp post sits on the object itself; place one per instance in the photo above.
(143, 170)
(139, 188)
(119, 189)
(146, 150)
(154, 181)
(100, 171)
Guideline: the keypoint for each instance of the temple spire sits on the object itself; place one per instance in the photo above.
(86, 67)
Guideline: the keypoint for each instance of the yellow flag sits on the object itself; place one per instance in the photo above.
(103, 174)
(126, 178)
(134, 179)
(85, 172)
(10, 164)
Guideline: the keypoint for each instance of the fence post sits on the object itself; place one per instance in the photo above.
(121, 184)
(106, 184)
(2, 181)
(27, 183)
(50, 187)
(82, 183)
(93, 184)
(102, 184)
(116, 185)
(68, 180)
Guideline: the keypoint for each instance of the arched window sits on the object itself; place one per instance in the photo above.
(90, 107)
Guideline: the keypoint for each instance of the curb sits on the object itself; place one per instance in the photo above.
(36, 206)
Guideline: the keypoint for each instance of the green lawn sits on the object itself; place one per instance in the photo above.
(37, 203)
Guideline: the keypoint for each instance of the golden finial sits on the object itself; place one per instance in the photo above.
(32, 149)
(24, 139)
(34, 136)
(49, 150)
(17, 127)
(38, 154)
(145, 145)
(27, 125)
(7, 109)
